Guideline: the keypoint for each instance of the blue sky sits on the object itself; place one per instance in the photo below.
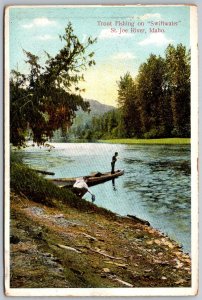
(36, 29)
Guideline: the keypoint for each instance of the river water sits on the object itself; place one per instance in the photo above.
(155, 186)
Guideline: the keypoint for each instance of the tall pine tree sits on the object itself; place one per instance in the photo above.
(178, 88)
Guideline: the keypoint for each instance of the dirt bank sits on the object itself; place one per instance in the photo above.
(63, 248)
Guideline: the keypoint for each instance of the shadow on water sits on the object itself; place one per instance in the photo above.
(181, 166)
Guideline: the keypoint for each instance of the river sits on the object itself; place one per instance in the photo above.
(155, 187)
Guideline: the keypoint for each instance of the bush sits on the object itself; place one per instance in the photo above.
(155, 133)
(16, 157)
(151, 134)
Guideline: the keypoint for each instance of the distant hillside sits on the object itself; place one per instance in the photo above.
(96, 107)
(83, 118)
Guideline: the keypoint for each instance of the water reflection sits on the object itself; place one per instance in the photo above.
(113, 184)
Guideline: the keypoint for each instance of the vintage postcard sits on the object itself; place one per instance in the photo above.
(101, 150)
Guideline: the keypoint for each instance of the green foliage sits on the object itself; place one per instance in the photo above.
(178, 87)
(156, 104)
(108, 125)
(150, 93)
(155, 132)
(43, 100)
(16, 157)
(129, 106)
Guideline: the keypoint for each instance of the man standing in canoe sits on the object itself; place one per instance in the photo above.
(80, 188)
(114, 159)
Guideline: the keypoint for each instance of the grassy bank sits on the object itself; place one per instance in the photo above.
(165, 141)
(27, 183)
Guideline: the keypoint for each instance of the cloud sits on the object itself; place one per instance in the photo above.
(27, 26)
(39, 22)
(108, 34)
(157, 39)
(124, 56)
(147, 16)
(45, 37)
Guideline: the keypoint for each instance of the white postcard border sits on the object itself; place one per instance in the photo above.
(194, 182)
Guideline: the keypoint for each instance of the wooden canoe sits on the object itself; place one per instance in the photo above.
(92, 179)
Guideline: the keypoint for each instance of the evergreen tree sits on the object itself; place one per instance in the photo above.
(151, 98)
(128, 105)
(178, 88)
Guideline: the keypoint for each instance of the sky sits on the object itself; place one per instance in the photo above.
(126, 36)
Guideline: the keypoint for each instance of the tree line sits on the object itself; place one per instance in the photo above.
(155, 104)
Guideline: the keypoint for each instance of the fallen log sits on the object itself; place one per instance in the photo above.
(44, 172)
(138, 220)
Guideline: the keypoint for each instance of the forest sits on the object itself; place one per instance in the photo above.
(155, 104)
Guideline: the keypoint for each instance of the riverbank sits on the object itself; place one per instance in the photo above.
(60, 241)
(165, 141)
(79, 245)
